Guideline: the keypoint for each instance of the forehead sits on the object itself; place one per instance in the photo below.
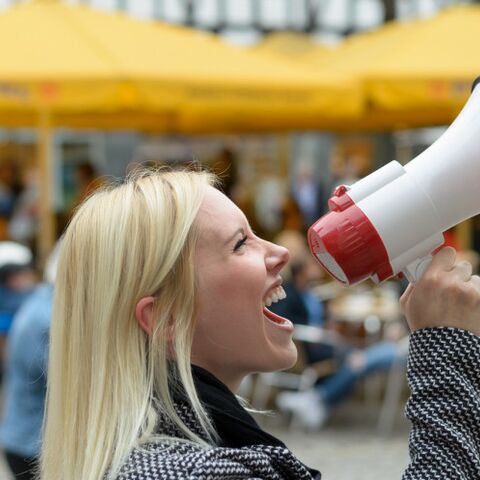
(218, 214)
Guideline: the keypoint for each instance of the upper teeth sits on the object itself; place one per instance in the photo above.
(275, 296)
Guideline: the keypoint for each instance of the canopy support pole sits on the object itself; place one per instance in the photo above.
(283, 155)
(46, 230)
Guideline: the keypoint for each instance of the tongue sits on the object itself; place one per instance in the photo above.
(273, 316)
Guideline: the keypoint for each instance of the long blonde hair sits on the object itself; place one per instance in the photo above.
(108, 381)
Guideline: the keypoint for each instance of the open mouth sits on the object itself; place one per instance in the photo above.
(274, 296)
(277, 295)
(273, 317)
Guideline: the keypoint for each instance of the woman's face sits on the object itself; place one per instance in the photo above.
(236, 272)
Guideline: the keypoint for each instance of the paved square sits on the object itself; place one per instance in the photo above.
(349, 447)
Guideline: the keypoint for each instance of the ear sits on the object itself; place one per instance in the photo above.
(144, 314)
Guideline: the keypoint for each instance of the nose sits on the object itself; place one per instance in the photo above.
(276, 257)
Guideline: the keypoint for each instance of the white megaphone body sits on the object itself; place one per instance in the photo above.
(393, 219)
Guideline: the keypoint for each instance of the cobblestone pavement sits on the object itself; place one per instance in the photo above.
(346, 455)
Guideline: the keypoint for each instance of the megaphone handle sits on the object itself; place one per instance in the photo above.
(414, 270)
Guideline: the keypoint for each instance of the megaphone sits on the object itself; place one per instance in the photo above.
(391, 221)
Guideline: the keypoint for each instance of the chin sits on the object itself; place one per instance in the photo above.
(287, 359)
(291, 357)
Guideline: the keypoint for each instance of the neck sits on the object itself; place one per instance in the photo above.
(230, 379)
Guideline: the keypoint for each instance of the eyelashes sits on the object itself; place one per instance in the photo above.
(240, 243)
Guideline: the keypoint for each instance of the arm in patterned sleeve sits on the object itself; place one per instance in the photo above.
(444, 406)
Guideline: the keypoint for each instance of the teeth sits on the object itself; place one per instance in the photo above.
(275, 296)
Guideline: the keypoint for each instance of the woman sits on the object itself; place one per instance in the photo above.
(159, 314)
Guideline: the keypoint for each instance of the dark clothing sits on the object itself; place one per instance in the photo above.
(444, 409)
(244, 451)
(235, 426)
(22, 468)
(293, 306)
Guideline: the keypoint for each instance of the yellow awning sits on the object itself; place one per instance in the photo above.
(70, 65)
(414, 73)
(289, 46)
(436, 66)
(90, 68)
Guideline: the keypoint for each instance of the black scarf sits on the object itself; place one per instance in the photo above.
(235, 426)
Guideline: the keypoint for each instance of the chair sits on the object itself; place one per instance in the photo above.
(302, 375)
(393, 391)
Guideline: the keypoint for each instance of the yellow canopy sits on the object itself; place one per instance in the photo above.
(415, 73)
(436, 67)
(96, 69)
(69, 65)
(289, 46)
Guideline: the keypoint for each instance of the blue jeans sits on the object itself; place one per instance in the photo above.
(376, 358)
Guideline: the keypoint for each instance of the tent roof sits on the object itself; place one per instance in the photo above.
(81, 63)
(422, 65)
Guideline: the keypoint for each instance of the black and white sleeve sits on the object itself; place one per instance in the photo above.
(444, 406)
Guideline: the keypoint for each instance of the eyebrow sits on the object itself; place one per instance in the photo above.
(240, 230)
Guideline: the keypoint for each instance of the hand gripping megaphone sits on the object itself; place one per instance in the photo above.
(393, 219)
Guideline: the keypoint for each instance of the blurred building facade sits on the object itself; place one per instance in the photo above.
(245, 21)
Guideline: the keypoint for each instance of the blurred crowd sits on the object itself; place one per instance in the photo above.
(26, 296)
(351, 334)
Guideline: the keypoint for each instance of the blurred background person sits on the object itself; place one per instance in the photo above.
(17, 280)
(345, 170)
(225, 166)
(23, 225)
(26, 378)
(87, 180)
(313, 406)
(308, 193)
(269, 201)
(10, 188)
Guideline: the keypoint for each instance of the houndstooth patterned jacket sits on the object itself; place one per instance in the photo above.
(444, 408)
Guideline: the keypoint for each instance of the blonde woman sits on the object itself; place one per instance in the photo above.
(159, 315)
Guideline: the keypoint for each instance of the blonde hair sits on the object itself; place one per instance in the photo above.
(109, 382)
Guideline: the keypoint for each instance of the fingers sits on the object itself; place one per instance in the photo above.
(443, 260)
(405, 296)
(475, 281)
(462, 270)
(471, 295)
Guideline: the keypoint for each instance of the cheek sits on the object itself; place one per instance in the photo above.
(229, 306)
(230, 330)
(232, 290)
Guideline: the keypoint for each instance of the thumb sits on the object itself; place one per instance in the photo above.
(406, 295)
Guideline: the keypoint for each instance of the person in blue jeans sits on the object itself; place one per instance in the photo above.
(26, 379)
(312, 407)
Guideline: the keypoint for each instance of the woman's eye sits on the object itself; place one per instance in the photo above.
(240, 243)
